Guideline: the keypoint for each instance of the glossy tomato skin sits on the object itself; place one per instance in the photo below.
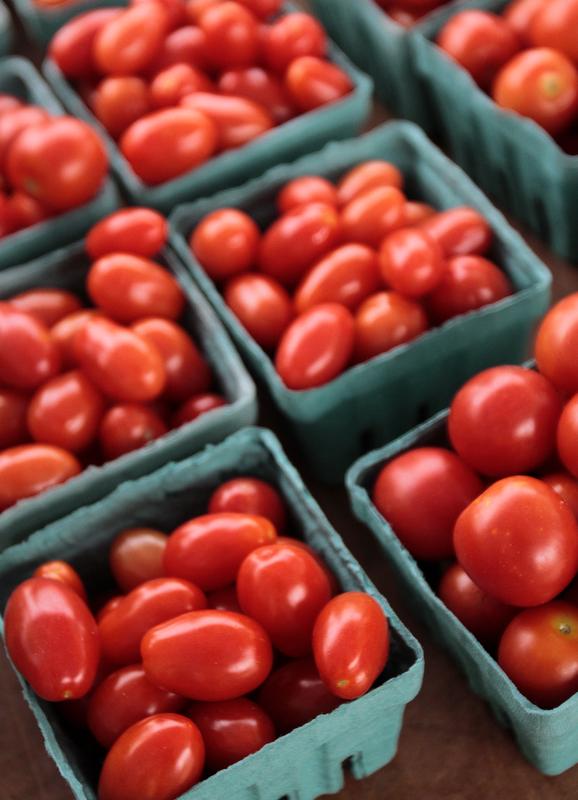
(29, 469)
(129, 42)
(136, 556)
(503, 421)
(63, 572)
(566, 486)
(71, 45)
(305, 190)
(346, 276)
(170, 85)
(232, 35)
(231, 730)
(555, 344)
(284, 588)
(138, 231)
(371, 216)
(248, 495)
(49, 306)
(208, 655)
(40, 612)
(149, 604)
(209, 550)
(555, 25)
(118, 101)
(262, 305)
(237, 120)
(127, 427)
(351, 644)
(365, 177)
(539, 653)
(64, 333)
(384, 321)
(468, 283)
(459, 231)
(294, 694)
(518, 541)
(567, 436)
(28, 354)
(411, 262)
(316, 347)
(15, 122)
(421, 494)
(314, 82)
(158, 758)
(196, 406)
(13, 408)
(290, 37)
(262, 87)
(226, 243)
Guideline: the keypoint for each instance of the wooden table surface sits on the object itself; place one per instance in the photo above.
(451, 747)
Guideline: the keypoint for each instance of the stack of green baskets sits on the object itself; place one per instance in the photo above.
(371, 403)
(6, 30)
(309, 761)
(41, 22)
(18, 77)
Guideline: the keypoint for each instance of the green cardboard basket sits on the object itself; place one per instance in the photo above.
(547, 738)
(41, 22)
(309, 761)
(67, 268)
(372, 403)
(509, 156)
(6, 30)
(19, 77)
(301, 135)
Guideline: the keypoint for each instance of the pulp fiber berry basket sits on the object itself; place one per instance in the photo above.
(547, 738)
(361, 735)
(20, 78)
(371, 403)
(509, 156)
(301, 135)
(67, 268)
(41, 22)
(6, 30)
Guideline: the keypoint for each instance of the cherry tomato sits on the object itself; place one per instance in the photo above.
(365, 177)
(208, 655)
(539, 653)
(231, 730)
(384, 321)
(71, 45)
(262, 8)
(346, 275)
(371, 216)
(196, 8)
(138, 231)
(237, 120)
(49, 306)
(25, 210)
(415, 213)
(64, 333)
(186, 45)
(566, 487)
(459, 231)
(63, 572)
(411, 262)
(158, 758)
(127, 44)
(290, 37)
(284, 588)
(541, 84)
(421, 494)
(41, 612)
(30, 469)
(171, 84)
(232, 35)
(250, 496)
(306, 190)
(120, 362)
(262, 306)
(28, 355)
(567, 436)
(520, 15)
(13, 408)
(260, 86)
(136, 556)
(316, 347)
(129, 427)
(196, 406)
(313, 82)
(554, 25)
(351, 644)
(503, 421)
(555, 344)
(226, 243)
(209, 550)
(176, 11)
(468, 283)
(119, 101)
(290, 540)
(189, 136)
(13, 123)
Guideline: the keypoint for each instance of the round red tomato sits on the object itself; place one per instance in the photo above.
(262, 306)
(290, 37)
(250, 496)
(262, 87)
(365, 177)
(117, 102)
(129, 427)
(313, 82)
(554, 25)
(305, 190)
(49, 306)
(566, 486)
(63, 572)
(136, 556)
(459, 231)
(30, 469)
(196, 406)
(371, 216)
(346, 276)
(28, 354)
(384, 321)
(556, 342)
(171, 84)
(71, 45)
(13, 408)
(232, 35)
(411, 262)
(129, 42)
(226, 243)
(237, 120)
(138, 231)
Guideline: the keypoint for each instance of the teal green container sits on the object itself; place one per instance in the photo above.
(19, 77)
(6, 30)
(309, 761)
(548, 739)
(372, 403)
(41, 22)
(509, 156)
(67, 268)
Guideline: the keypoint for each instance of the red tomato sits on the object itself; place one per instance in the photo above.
(186, 45)
(347, 276)
(539, 653)
(13, 408)
(555, 25)
(28, 355)
(13, 123)
(62, 163)
(189, 136)
(108, 606)
(25, 210)
(250, 496)
(149, 604)
(566, 487)
(231, 730)
(421, 494)
(520, 15)
(208, 655)
(384, 321)
(209, 550)
(49, 306)
(196, 406)
(171, 84)
(123, 698)
(541, 84)
(8, 103)
(262, 306)
(226, 243)
(119, 101)
(556, 343)
(71, 45)
(158, 758)
(316, 347)
(306, 190)
(416, 213)
(121, 363)
(481, 614)
(64, 332)
(290, 37)
(66, 412)
(503, 421)
(224, 600)
(459, 231)
(129, 427)
(284, 588)
(136, 556)
(127, 44)
(237, 120)
(371, 216)
(290, 540)
(468, 283)
(63, 572)
(480, 42)
(262, 8)
(313, 82)
(138, 231)
(40, 614)
(535, 555)
(567, 436)
(232, 35)
(297, 239)
(366, 177)
(260, 86)
(30, 469)
(196, 8)
(175, 9)
(411, 262)
(351, 644)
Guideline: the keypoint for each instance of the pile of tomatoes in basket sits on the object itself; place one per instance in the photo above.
(226, 635)
(347, 271)
(527, 59)
(80, 385)
(48, 165)
(179, 82)
(503, 503)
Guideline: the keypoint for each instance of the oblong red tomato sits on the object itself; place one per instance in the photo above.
(28, 354)
(63, 572)
(346, 276)
(238, 121)
(290, 37)
(29, 469)
(232, 35)
(314, 82)
(71, 45)
(127, 427)
(262, 306)
(226, 243)
(196, 406)
(52, 639)
(136, 556)
(129, 42)
(171, 84)
(411, 262)
(49, 306)
(117, 102)
(370, 216)
(139, 231)
(305, 190)
(459, 231)
(247, 495)
(367, 176)
(386, 320)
